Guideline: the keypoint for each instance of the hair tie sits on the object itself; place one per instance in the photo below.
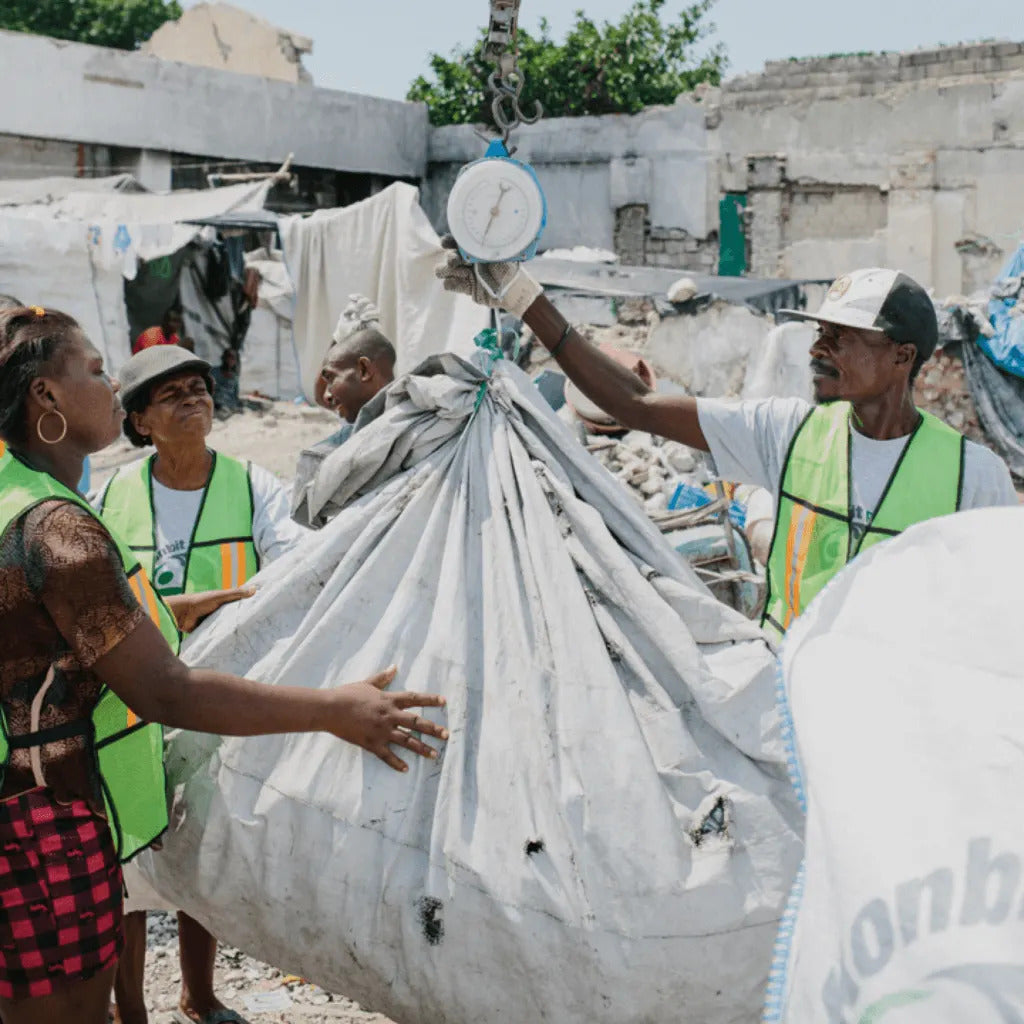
(38, 310)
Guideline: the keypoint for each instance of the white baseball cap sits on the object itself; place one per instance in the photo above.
(876, 299)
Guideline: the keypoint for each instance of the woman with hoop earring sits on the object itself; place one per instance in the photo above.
(88, 667)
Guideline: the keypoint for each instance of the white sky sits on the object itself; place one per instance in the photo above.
(379, 46)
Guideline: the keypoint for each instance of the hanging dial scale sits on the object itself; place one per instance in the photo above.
(497, 209)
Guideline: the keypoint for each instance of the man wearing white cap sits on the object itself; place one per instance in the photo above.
(860, 465)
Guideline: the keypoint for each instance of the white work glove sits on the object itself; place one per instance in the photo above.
(514, 290)
(359, 314)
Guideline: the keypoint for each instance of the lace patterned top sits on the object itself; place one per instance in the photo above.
(65, 600)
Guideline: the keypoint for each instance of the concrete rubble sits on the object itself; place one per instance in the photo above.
(648, 466)
(942, 389)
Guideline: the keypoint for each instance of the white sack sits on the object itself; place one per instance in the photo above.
(270, 364)
(905, 683)
(708, 352)
(384, 248)
(551, 866)
(727, 351)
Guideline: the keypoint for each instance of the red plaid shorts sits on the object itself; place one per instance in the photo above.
(60, 895)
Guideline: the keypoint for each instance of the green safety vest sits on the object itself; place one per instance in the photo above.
(127, 752)
(813, 536)
(221, 552)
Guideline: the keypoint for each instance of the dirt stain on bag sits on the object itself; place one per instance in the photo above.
(430, 919)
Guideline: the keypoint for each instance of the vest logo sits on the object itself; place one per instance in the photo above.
(986, 892)
(833, 547)
(839, 288)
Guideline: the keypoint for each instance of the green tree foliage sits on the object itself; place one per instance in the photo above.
(122, 24)
(598, 69)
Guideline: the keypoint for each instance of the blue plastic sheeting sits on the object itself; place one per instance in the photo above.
(1006, 347)
(688, 495)
(999, 399)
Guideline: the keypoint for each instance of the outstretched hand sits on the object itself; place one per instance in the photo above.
(190, 609)
(508, 285)
(370, 718)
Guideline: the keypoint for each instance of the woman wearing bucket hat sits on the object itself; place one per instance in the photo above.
(858, 466)
(197, 519)
(88, 665)
(200, 523)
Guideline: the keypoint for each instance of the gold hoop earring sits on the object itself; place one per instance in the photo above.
(63, 426)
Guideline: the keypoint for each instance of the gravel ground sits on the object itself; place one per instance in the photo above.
(239, 980)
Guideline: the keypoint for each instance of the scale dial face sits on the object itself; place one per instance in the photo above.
(495, 210)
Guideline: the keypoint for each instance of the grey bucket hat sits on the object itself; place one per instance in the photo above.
(153, 364)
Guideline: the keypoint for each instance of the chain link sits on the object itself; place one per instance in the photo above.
(507, 80)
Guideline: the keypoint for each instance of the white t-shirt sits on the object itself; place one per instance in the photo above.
(749, 442)
(274, 532)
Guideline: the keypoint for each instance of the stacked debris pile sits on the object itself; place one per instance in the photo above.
(942, 390)
(651, 467)
(700, 516)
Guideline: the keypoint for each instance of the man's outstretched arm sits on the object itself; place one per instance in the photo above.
(613, 387)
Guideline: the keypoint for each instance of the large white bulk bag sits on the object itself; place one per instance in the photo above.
(905, 684)
(610, 834)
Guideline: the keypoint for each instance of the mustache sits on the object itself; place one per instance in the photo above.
(823, 369)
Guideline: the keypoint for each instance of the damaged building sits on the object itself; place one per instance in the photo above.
(913, 160)
(241, 104)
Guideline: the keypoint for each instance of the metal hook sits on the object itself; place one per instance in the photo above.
(507, 91)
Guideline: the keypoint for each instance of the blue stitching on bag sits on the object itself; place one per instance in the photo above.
(778, 976)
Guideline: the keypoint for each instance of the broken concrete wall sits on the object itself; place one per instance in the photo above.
(227, 38)
(911, 160)
(644, 185)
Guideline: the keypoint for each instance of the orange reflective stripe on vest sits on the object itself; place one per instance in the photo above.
(801, 530)
(233, 565)
(145, 595)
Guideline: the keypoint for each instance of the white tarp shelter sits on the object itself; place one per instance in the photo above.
(71, 244)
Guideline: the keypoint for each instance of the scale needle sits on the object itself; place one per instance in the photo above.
(496, 207)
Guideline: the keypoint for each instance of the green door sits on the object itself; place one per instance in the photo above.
(732, 251)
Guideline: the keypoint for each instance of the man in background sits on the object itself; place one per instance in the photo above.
(359, 364)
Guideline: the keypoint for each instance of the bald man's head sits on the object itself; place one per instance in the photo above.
(354, 370)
